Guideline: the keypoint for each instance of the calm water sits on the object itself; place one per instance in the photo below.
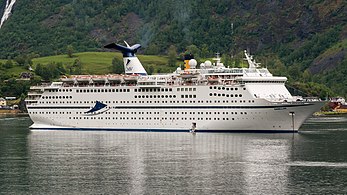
(74, 162)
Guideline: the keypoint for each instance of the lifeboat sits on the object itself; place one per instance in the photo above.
(115, 79)
(187, 75)
(130, 78)
(83, 79)
(99, 79)
(67, 80)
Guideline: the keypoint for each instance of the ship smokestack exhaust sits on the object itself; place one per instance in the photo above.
(132, 64)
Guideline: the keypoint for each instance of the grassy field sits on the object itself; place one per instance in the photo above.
(99, 62)
(92, 62)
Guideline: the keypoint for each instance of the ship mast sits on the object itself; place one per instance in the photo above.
(252, 64)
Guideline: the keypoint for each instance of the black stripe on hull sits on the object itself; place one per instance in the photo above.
(166, 130)
(173, 107)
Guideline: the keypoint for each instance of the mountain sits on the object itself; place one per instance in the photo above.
(304, 40)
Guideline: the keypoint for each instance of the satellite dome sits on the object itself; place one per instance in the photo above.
(193, 63)
(208, 64)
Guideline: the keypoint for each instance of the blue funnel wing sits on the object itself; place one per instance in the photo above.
(98, 106)
(135, 47)
(127, 51)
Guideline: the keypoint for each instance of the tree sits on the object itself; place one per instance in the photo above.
(8, 64)
(193, 49)
(306, 76)
(172, 53)
(70, 51)
(152, 49)
(61, 68)
(205, 53)
(117, 66)
(39, 69)
(77, 67)
(294, 71)
(150, 70)
(24, 60)
(226, 59)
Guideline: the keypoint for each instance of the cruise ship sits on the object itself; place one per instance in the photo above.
(211, 98)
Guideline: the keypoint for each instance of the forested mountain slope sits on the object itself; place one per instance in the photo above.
(305, 40)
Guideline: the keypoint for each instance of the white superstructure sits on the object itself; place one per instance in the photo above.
(213, 98)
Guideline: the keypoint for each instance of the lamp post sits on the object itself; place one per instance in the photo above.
(292, 114)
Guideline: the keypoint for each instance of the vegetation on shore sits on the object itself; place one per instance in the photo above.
(305, 41)
(53, 67)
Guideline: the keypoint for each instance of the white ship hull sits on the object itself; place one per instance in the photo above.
(206, 113)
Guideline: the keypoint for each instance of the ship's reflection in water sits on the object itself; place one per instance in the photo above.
(158, 163)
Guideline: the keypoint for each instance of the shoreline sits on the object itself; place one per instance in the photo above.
(13, 113)
(329, 113)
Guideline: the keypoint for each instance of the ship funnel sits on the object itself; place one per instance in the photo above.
(132, 64)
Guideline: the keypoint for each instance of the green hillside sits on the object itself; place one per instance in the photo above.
(303, 40)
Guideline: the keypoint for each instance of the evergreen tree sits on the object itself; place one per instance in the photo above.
(117, 66)
(205, 53)
(172, 55)
(70, 51)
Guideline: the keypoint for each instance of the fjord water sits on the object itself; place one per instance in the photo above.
(90, 162)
